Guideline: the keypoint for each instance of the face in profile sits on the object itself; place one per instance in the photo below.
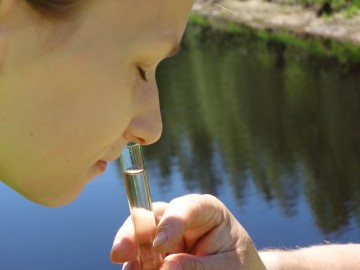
(73, 93)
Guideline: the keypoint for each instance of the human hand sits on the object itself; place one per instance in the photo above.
(193, 232)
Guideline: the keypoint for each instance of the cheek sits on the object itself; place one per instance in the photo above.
(100, 97)
(87, 122)
(59, 124)
(87, 101)
(61, 116)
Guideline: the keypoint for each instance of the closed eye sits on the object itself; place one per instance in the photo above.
(142, 73)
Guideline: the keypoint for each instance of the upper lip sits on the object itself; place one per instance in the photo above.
(111, 156)
(109, 159)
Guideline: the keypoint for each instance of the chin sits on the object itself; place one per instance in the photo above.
(55, 202)
(54, 199)
(55, 193)
(52, 202)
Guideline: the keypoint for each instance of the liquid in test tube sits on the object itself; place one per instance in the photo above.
(140, 204)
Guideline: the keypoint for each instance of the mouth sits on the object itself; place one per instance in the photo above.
(101, 165)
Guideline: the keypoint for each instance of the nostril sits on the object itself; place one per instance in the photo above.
(137, 140)
(140, 140)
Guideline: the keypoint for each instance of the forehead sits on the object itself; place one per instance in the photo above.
(127, 25)
(139, 20)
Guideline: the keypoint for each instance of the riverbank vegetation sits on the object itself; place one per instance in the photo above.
(344, 52)
(329, 7)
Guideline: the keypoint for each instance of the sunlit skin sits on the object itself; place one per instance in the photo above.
(72, 94)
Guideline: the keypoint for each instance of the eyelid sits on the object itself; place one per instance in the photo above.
(142, 73)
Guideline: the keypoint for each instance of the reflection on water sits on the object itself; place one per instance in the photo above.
(285, 120)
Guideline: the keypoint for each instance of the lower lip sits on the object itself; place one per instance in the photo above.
(101, 165)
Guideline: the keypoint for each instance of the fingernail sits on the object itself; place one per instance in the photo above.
(171, 265)
(115, 245)
(160, 239)
(113, 253)
(116, 242)
(131, 265)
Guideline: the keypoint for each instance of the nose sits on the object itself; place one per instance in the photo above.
(145, 127)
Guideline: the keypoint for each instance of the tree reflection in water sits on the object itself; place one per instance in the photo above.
(254, 111)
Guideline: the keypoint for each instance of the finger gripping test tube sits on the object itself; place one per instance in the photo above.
(140, 204)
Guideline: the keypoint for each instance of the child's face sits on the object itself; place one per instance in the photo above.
(72, 95)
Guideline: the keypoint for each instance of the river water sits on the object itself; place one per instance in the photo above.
(274, 132)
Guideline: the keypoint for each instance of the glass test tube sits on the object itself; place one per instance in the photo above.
(140, 204)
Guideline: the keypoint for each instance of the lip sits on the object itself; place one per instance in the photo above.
(101, 165)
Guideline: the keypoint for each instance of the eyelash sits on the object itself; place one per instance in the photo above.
(142, 73)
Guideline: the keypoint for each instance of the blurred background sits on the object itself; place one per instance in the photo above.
(270, 129)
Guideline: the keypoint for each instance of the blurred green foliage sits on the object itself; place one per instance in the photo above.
(343, 51)
(328, 7)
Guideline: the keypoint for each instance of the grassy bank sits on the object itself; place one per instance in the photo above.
(328, 7)
(344, 52)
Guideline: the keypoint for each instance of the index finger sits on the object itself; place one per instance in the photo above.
(190, 218)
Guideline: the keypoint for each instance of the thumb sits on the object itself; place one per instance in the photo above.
(183, 261)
